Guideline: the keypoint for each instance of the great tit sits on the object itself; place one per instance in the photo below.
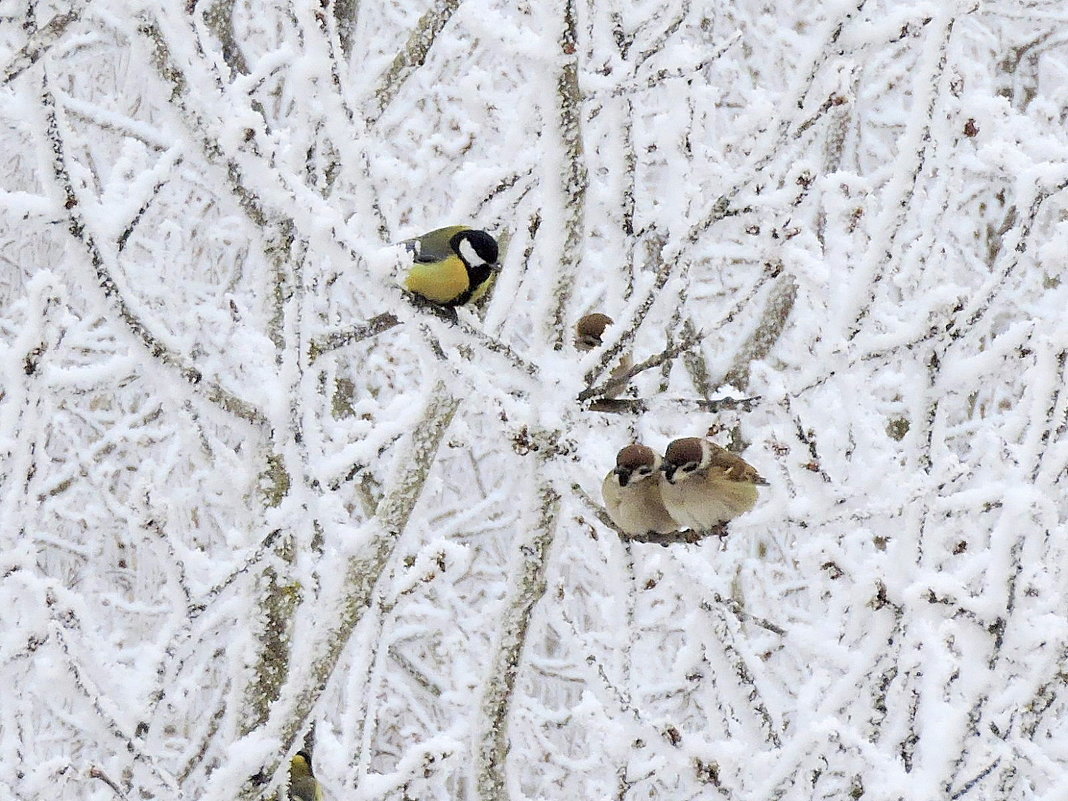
(631, 493)
(303, 785)
(703, 485)
(452, 266)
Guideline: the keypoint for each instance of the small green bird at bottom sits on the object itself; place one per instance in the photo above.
(303, 786)
(453, 265)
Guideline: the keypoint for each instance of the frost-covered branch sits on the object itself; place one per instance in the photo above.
(686, 342)
(40, 41)
(356, 333)
(779, 130)
(449, 325)
(219, 18)
(528, 586)
(928, 81)
(760, 342)
(297, 696)
(157, 350)
(744, 675)
(573, 175)
(413, 55)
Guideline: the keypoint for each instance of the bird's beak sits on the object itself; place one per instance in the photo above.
(494, 268)
(669, 473)
(622, 475)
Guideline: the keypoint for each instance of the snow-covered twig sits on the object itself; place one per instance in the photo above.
(760, 342)
(215, 393)
(413, 55)
(40, 41)
(686, 342)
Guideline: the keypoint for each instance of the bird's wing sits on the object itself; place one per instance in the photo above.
(433, 246)
(734, 467)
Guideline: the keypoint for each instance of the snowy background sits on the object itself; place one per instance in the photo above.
(236, 520)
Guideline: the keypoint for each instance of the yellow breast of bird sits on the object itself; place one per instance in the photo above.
(440, 281)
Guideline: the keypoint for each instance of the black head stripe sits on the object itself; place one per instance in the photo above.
(485, 246)
(482, 243)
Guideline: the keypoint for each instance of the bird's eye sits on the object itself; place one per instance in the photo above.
(643, 471)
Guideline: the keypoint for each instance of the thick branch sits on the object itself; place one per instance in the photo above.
(529, 586)
(575, 178)
(298, 697)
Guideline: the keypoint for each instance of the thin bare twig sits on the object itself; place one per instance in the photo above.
(97, 773)
(642, 405)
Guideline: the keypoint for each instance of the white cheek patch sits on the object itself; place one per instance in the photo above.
(706, 453)
(468, 254)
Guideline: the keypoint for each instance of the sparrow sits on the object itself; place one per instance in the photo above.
(631, 493)
(704, 485)
(589, 331)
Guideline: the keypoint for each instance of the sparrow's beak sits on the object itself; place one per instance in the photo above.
(669, 472)
(622, 475)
